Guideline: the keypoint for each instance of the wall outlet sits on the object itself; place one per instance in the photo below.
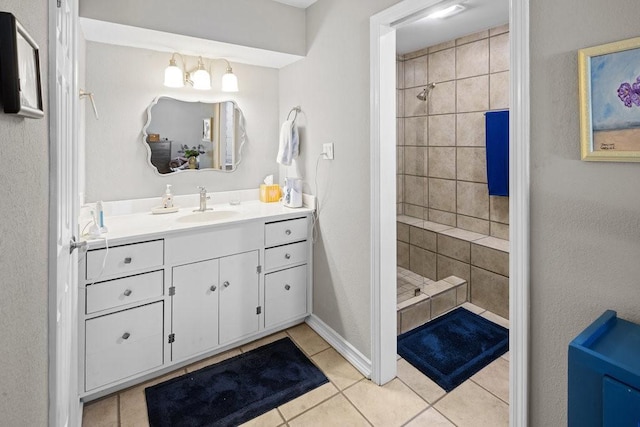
(327, 151)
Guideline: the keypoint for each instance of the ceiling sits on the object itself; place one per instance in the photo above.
(302, 4)
(418, 32)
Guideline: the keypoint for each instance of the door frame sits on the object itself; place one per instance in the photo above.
(383, 197)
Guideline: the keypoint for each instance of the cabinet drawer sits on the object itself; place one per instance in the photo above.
(285, 295)
(279, 233)
(124, 259)
(114, 293)
(286, 255)
(109, 356)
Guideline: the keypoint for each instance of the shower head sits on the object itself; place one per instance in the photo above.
(422, 96)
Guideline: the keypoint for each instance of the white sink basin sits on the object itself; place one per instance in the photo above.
(207, 216)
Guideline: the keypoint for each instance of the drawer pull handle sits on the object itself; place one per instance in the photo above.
(287, 232)
(126, 335)
(127, 260)
(287, 287)
(287, 256)
(213, 288)
(226, 284)
(127, 292)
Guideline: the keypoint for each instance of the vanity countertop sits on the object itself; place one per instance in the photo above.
(146, 225)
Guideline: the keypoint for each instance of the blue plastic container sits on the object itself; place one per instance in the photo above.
(604, 374)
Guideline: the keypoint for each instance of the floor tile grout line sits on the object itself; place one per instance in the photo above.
(445, 417)
(280, 413)
(410, 388)
(487, 390)
(353, 404)
(118, 423)
(316, 405)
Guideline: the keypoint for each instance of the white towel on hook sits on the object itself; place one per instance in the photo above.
(289, 143)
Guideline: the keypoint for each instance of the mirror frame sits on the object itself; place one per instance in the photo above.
(148, 122)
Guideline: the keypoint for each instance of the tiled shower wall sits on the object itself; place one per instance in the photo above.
(441, 143)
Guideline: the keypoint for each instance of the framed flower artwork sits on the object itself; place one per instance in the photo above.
(609, 92)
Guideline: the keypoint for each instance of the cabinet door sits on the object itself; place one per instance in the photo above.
(239, 297)
(195, 308)
(285, 295)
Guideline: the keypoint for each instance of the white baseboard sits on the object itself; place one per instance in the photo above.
(342, 346)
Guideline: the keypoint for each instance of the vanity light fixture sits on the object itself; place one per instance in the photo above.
(173, 75)
(199, 77)
(454, 9)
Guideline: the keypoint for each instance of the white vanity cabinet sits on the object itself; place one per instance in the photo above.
(213, 302)
(239, 296)
(123, 344)
(122, 312)
(195, 294)
(286, 272)
(149, 306)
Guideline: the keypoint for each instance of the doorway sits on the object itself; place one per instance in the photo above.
(383, 197)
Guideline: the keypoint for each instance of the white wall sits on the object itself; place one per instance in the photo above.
(125, 81)
(585, 217)
(332, 86)
(24, 197)
(262, 24)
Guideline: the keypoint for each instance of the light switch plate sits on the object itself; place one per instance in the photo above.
(327, 151)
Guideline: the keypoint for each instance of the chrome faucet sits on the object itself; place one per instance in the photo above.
(203, 200)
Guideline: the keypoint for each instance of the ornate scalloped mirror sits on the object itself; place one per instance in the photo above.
(193, 135)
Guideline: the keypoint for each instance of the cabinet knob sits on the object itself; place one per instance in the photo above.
(213, 288)
(287, 256)
(287, 232)
(287, 287)
(128, 260)
(226, 284)
(126, 335)
(127, 292)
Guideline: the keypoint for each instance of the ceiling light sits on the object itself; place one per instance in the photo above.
(446, 12)
(198, 77)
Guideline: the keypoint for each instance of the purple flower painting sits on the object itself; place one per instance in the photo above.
(629, 94)
(610, 101)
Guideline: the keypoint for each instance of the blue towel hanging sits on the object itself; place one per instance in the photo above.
(497, 143)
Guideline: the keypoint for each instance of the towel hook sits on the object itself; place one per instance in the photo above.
(296, 110)
(83, 93)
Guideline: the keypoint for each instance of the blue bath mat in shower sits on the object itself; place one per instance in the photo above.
(453, 347)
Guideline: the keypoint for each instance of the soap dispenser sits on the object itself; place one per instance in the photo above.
(167, 198)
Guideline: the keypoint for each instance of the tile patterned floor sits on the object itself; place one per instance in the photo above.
(349, 399)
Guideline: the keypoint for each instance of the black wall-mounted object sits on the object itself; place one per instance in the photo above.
(21, 86)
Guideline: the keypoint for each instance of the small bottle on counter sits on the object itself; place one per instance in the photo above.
(167, 198)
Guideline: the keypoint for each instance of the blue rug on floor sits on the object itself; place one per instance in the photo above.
(235, 390)
(453, 347)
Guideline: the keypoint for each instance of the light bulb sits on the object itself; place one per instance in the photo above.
(447, 12)
(201, 78)
(173, 75)
(229, 81)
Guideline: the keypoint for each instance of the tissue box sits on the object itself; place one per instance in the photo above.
(269, 193)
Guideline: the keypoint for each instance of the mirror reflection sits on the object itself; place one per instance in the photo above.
(186, 135)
